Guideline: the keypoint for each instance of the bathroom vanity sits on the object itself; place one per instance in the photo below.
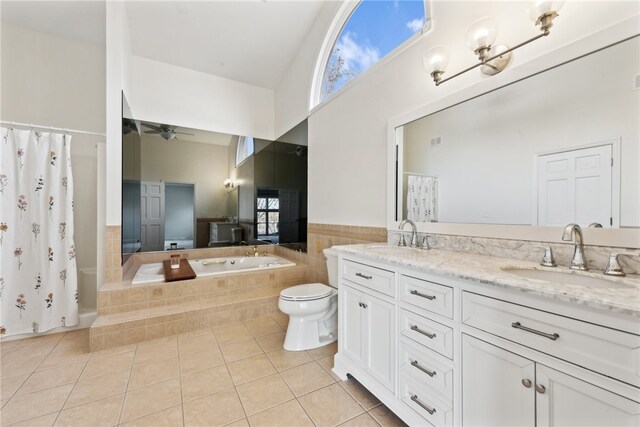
(450, 338)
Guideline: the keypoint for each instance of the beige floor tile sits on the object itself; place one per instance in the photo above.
(283, 359)
(360, 393)
(43, 421)
(158, 341)
(196, 333)
(286, 414)
(330, 406)
(262, 326)
(306, 378)
(98, 388)
(166, 350)
(213, 410)
(240, 423)
(364, 420)
(385, 417)
(272, 341)
(8, 386)
(39, 346)
(105, 365)
(20, 366)
(205, 382)
(194, 362)
(27, 406)
(327, 365)
(232, 333)
(105, 412)
(50, 378)
(113, 351)
(282, 319)
(153, 372)
(150, 399)
(63, 358)
(263, 393)
(251, 368)
(171, 417)
(324, 351)
(240, 350)
(197, 343)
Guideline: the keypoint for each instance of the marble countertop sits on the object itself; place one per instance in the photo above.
(623, 296)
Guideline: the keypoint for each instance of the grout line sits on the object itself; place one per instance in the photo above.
(180, 380)
(126, 389)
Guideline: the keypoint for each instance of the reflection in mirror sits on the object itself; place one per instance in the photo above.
(558, 147)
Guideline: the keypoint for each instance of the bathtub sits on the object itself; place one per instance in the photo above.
(153, 273)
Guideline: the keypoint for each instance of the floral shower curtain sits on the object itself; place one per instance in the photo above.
(38, 278)
(422, 198)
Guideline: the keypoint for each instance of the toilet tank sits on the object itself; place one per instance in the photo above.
(332, 266)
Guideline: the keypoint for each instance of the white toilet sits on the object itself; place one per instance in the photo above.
(312, 310)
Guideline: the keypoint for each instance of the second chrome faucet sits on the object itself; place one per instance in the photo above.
(571, 232)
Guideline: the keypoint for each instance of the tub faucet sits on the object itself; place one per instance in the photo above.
(414, 234)
(571, 231)
(255, 251)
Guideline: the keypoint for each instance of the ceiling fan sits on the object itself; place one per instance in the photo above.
(300, 151)
(165, 131)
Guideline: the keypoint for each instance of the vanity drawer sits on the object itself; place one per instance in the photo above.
(427, 370)
(370, 277)
(427, 295)
(604, 350)
(431, 334)
(427, 404)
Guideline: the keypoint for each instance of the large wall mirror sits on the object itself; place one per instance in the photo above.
(558, 147)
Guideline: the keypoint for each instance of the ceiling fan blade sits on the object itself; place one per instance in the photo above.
(150, 126)
(154, 132)
(184, 133)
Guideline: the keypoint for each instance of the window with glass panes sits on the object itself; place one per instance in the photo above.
(268, 206)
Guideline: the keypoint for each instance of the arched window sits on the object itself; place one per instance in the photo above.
(370, 30)
(244, 150)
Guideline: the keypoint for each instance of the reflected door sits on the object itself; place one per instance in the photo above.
(575, 186)
(289, 216)
(152, 216)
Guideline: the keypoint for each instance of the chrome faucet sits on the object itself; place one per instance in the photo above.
(614, 268)
(571, 231)
(414, 234)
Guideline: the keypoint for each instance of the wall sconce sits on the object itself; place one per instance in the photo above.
(228, 183)
(481, 36)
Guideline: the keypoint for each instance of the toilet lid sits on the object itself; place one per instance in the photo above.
(306, 292)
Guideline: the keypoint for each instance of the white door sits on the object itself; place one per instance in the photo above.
(288, 218)
(575, 186)
(379, 331)
(497, 386)
(568, 401)
(350, 317)
(152, 216)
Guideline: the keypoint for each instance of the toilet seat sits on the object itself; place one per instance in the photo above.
(308, 292)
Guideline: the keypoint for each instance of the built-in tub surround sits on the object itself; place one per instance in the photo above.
(596, 257)
(130, 314)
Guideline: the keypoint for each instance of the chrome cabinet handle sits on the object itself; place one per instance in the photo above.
(540, 388)
(423, 369)
(526, 382)
(420, 331)
(427, 408)
(429, 297)
(364, 276)
(518, 325)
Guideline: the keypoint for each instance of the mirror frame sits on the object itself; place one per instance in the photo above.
(620, 237)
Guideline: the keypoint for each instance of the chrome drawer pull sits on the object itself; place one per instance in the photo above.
(364, 276)
(420, 331)
(423, 369)
(431, 411)
(429, 297)
(518, 325)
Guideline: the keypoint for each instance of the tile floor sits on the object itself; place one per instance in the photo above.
(235, 375)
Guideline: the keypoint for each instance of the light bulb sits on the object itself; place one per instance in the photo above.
(482, 33)
(547, 6)
(436, 59)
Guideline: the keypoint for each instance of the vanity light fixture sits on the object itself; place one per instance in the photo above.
(481, 37)
(228, 183)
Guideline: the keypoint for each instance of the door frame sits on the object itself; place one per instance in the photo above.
(615, 176)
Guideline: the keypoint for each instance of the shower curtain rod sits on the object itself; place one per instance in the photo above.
(32, 126)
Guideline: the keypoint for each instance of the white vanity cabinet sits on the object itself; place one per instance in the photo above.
(447, 352)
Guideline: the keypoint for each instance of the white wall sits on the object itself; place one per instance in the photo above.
(348, 134)
(165, 93)
(53, 81)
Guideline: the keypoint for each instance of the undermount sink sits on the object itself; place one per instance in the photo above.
(570, 277)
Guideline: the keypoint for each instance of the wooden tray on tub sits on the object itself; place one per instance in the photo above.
(185, 272)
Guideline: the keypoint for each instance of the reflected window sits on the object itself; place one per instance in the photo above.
(268, 213)
(245, 149)
(373, 30)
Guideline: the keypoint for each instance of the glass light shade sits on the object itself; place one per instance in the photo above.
(436, 59)
(540, 7)
(482, 32)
